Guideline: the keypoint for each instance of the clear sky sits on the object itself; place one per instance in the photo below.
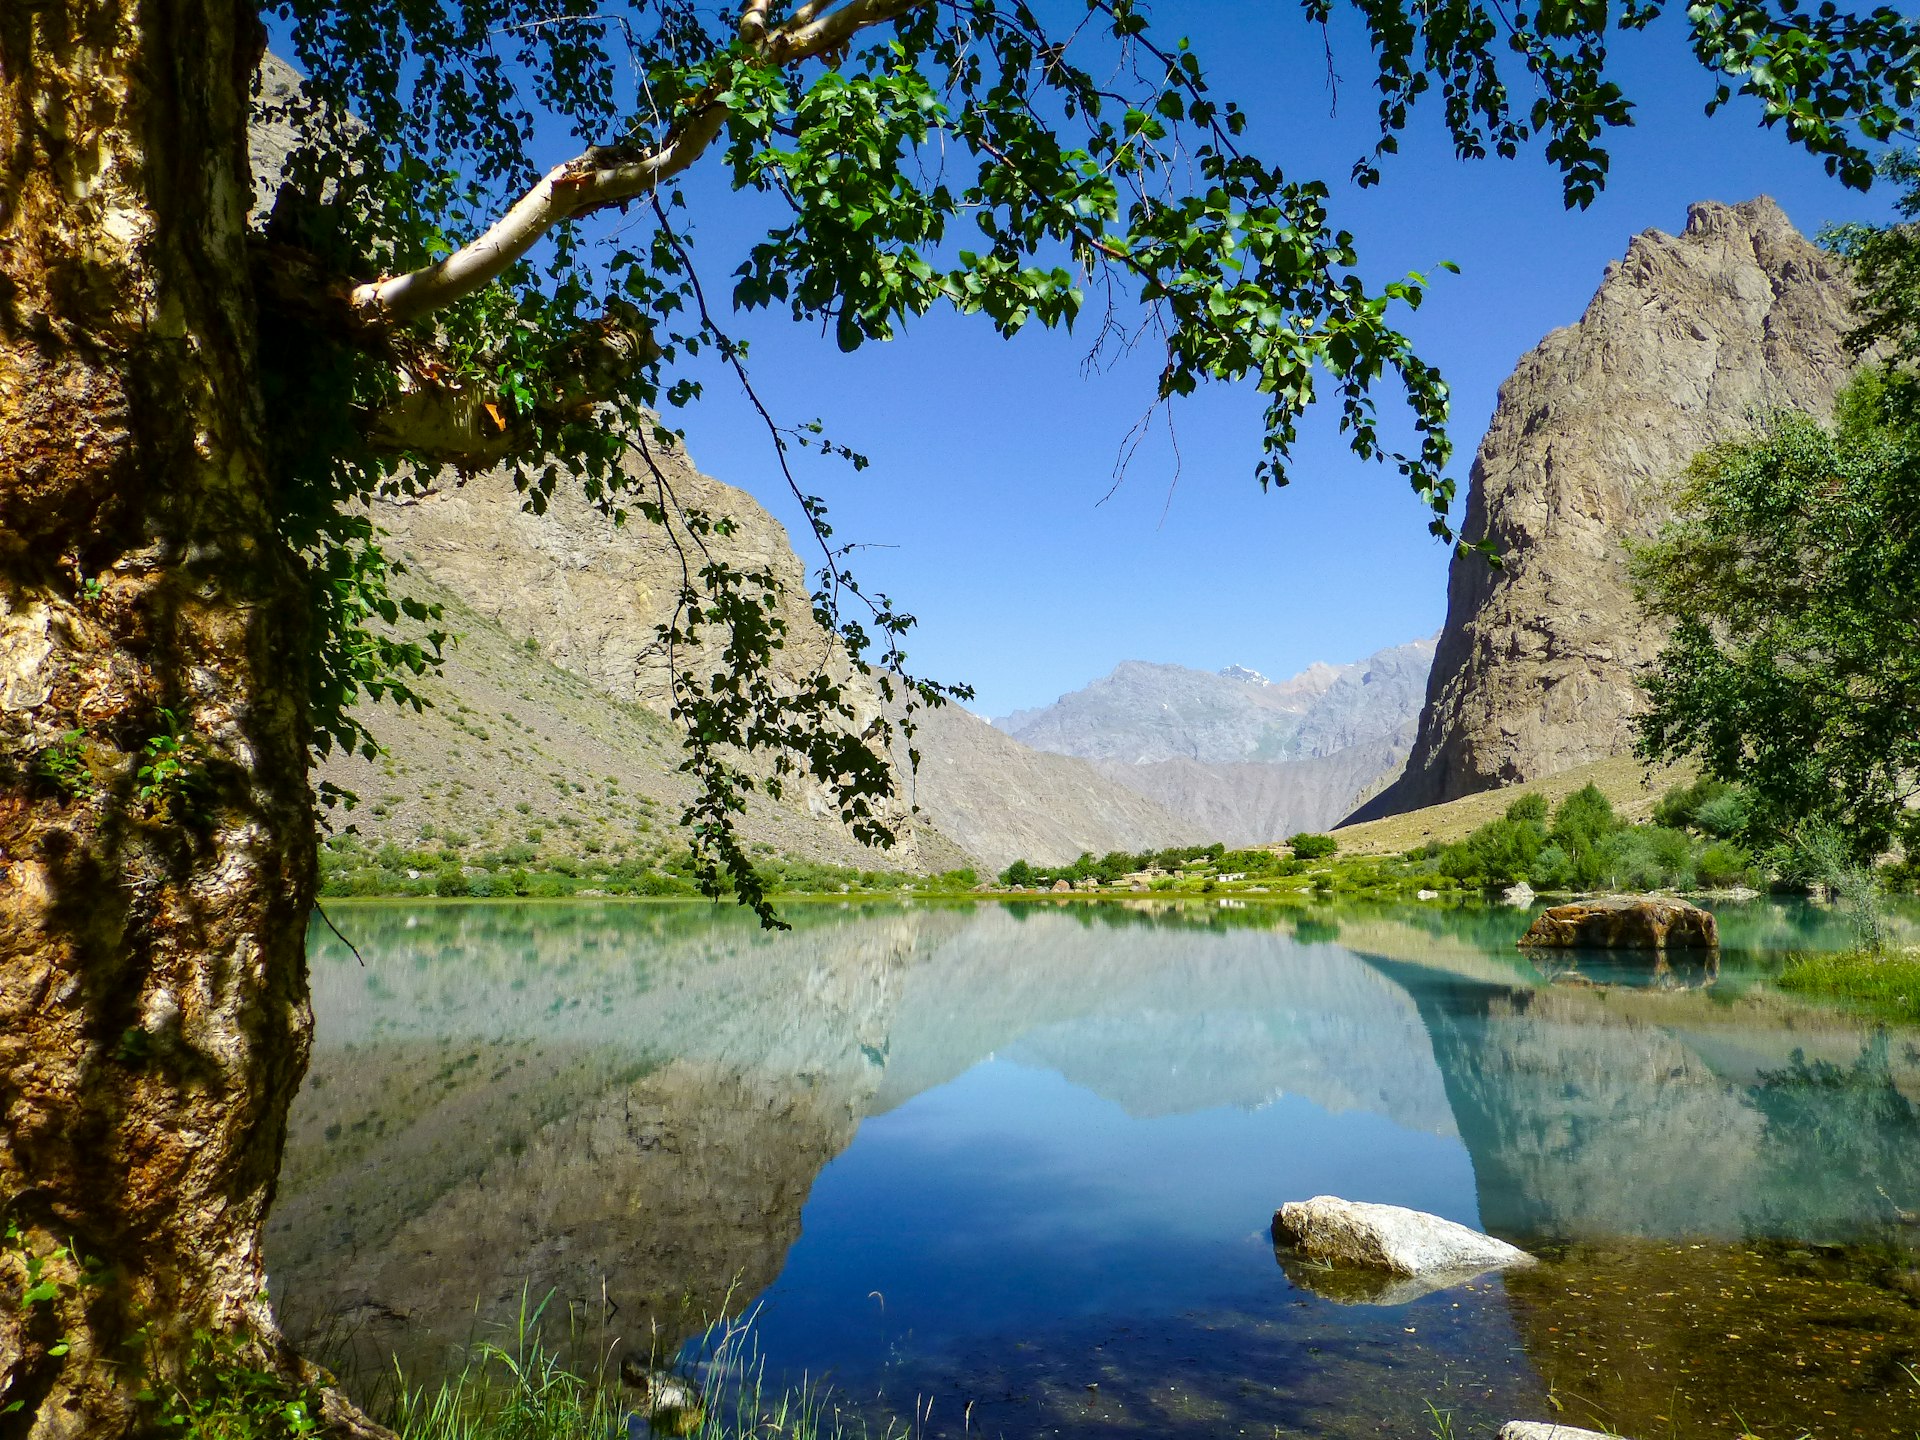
(988, 504)
(992, 460)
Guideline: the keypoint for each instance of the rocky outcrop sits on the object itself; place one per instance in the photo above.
(1624, 922)
(1389, 1238)
(573, 595)
(1688, 337)
(575, 591)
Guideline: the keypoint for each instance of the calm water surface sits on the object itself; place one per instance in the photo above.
(1011, 1169)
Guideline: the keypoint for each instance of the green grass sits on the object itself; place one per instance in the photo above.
(522, 1391)
(1885, 985)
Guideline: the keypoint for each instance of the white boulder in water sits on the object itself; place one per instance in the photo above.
(1550, 1430)
(1332, 1231)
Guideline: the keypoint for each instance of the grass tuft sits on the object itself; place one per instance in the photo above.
(1886, 985)
(521, 1390)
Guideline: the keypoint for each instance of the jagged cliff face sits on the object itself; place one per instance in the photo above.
(538, 601)
(1687, 338)
(591, 592)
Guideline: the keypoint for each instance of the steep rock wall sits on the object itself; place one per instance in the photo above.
(1686, 340)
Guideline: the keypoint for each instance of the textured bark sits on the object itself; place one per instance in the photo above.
(153, 1008)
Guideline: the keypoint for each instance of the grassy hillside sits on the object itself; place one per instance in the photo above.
(519, 765)
(1630, 784)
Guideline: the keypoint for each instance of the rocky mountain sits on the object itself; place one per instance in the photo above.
(1687, 338)
(1142, 713)
(551, 710)
(1236, 756)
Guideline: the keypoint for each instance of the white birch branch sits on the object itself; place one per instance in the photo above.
(588, 181)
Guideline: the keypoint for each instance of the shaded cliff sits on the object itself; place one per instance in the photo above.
(1686, 340)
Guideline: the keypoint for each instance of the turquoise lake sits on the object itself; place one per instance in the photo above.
(1010, 1170)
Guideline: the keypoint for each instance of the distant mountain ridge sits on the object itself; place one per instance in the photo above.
(1239, 757)
(1142, 713)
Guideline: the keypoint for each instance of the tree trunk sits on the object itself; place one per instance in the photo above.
(156, 826)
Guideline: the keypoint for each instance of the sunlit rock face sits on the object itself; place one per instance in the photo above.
(1688, 337)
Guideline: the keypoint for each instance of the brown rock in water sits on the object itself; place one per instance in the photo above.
(1687, 338)
(1624, 922)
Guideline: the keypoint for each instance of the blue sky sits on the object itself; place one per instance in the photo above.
(988, 504)
(992, 460)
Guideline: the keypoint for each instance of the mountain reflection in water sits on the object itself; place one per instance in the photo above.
(1035, 1150)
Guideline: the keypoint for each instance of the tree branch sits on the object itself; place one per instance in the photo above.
(810, 33)
(574, 188)
(610, 176)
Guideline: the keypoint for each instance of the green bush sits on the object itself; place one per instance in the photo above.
(1552, 869)
(450, 882)
(1724, 863)
(1501, 852)
(1724, 815)
(1648, 857)
(1306, 846)
(1529, 807)
(1584, 819)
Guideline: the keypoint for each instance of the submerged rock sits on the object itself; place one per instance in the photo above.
(1350, 1285)
(1550, 1430)
(1390, 1240)
(670, 1404)
(1624, 922)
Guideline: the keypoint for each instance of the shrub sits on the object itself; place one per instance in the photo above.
(1724, 815)
(1552, 869)
(1307, 846)
(450, 882)
(1498, 853)
(1648, 857)
(1724, 863)
(1532, 806)
(1584, 819)
(1680, 804)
